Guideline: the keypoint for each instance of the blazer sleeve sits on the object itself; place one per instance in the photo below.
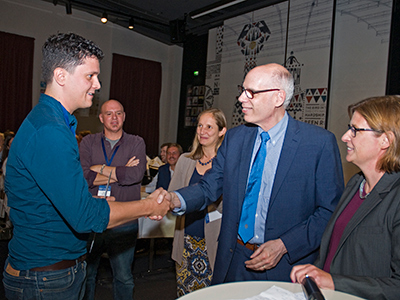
(209, 189)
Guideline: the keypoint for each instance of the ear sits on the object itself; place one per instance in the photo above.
(59, 76)
(387, 139)
(101, 118)
(280, 98)
(222, 132)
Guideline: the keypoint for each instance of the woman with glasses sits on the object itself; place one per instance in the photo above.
(360, 248)
(196, 233)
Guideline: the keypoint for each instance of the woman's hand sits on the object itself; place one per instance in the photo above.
(322, 279)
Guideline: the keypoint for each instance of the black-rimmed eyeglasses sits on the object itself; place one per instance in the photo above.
(354, 130)
(250, 94)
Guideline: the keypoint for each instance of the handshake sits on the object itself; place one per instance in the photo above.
(161, 202)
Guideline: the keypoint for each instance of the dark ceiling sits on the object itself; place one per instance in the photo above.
(165, 20)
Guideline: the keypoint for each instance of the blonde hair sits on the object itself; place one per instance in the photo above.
(197, 149)
(382, 115)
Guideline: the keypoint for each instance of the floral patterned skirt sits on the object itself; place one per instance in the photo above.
(195, 272)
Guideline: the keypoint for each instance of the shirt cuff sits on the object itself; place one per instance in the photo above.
(180, 210)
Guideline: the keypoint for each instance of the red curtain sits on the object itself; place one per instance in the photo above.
(16, 70)
(136, 83)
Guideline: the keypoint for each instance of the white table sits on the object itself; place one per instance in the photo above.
(149, 229)
(156, 229)
(245, 289)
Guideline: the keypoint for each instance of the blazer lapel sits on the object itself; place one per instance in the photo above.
(244, 164)
(344, 200)
(289, 148)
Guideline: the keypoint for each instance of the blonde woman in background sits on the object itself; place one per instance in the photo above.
(195, 239)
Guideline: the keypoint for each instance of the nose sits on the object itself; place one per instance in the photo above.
(346, 136)
(96, 83)
(242, 97)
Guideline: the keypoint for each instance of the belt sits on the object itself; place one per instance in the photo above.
(61, 265)
(252, 247)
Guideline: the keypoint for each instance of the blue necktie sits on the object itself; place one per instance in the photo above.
(247, 219)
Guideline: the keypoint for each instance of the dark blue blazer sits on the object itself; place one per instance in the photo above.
(307, 186)
(164, 177)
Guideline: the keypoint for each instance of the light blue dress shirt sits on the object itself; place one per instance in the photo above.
(274, 148)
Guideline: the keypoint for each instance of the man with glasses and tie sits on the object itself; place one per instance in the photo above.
(280, 178)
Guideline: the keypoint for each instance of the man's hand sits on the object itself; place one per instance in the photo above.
(322, 279)
(132, 162)
(266, 256)
(172, 198)
(160, 203)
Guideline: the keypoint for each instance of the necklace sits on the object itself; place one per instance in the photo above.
(206, 163)
(362, 196)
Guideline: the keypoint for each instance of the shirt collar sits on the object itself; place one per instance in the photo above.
(103, 136)
(278, 130)
(70, 120)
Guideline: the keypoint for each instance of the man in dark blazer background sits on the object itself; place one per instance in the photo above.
(166, 171)
(301, 184)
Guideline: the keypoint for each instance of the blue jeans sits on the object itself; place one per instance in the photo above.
(64, 284)
(119, 243)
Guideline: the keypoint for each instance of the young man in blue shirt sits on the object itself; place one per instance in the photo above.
(52, 209)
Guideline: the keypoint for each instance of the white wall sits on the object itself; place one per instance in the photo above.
(359, 54)
(359, 69)
(39, 19)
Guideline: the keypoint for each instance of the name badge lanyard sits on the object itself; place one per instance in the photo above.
(108, 162)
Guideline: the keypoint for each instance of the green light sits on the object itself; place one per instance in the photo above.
(196, 73)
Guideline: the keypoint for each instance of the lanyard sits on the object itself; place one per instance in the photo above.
(105, 154)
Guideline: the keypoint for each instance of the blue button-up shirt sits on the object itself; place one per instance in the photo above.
(274, 148)
(50, 204)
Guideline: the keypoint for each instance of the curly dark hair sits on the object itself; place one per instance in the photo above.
(67, 51)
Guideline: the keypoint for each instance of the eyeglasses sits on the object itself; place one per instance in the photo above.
(354, 130)
(250, 94)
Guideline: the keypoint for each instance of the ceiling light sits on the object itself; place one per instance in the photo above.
(131, 23)
(216, 8)
(104, 18)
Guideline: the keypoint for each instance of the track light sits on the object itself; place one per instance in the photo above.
(68, 8)
(131, 23)
(104, 18)
(212, 9)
